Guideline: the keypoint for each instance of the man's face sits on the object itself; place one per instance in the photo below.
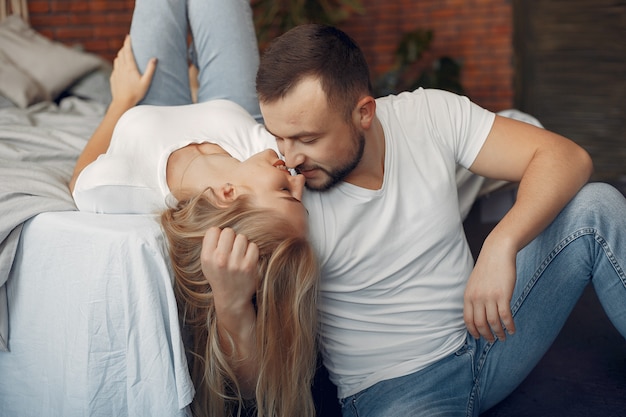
(314, 139)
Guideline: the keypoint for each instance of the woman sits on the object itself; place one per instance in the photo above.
(278, 367)
(195, 163)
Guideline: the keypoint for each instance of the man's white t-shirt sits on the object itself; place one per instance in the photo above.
(395, 260)
(131, 176)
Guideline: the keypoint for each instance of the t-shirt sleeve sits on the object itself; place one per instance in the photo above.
(463, 126)
(104, 186)
(124, 179)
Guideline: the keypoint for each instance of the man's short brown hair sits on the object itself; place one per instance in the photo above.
(318, 51)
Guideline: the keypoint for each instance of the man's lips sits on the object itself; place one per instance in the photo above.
(308, 173)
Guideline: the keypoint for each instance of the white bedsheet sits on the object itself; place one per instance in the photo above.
(94, 323)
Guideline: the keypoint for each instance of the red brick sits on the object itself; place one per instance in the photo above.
(477, 33)
(69, 6)
(38, 6)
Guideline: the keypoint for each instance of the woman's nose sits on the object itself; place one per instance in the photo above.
(297, 185)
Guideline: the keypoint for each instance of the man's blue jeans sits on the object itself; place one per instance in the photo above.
(585, 244)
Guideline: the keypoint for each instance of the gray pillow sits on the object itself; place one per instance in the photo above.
(48, 67)
(18, 86)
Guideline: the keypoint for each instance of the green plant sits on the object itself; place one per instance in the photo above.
(406, 74)
(274, 17)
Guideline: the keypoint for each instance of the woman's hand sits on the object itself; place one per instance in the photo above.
(128, 85)
(230, 264)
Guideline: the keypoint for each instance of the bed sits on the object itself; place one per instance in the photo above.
(88, 319)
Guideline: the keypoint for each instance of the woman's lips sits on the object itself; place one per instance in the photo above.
(280, 164)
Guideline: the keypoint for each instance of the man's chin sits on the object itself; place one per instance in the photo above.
(314, 185)
(319, 180)
(320, 184)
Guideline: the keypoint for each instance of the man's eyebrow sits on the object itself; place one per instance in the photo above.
(299, 135)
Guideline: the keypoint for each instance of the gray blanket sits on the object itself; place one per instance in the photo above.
(38, 148)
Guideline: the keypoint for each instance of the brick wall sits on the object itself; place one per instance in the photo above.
(98, 25)
(478, 33)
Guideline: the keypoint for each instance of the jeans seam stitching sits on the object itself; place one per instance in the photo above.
(546, 262)
(520, 300)
(610, 254)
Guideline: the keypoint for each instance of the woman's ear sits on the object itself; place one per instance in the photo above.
(365, 112)
(223, 195)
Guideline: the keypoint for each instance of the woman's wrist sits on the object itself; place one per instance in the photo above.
(236, 319)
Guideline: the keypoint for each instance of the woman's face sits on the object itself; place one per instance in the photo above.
(265, 177)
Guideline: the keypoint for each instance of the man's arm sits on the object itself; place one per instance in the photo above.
(550, 169)
(128, 87)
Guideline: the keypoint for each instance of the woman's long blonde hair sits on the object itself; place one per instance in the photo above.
(286, 298)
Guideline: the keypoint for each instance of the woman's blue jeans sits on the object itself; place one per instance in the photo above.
(224, 49)
(585, 244)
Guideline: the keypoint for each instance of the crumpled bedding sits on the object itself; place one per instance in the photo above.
(38, 148)
(93, 319)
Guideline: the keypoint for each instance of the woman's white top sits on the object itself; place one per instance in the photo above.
(131, 176)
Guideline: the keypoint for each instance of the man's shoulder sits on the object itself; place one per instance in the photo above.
(419, 93)
(420, 98)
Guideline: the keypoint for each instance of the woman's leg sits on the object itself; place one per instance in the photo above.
(586, 243)
(226, 51)
(159, 29)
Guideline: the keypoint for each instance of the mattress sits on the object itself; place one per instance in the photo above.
(93, 318)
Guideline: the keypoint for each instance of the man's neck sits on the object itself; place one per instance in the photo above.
(370, 172)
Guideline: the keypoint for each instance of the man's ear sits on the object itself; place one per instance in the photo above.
(223, 195)
(365, 112)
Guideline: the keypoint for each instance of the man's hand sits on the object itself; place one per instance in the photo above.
(487, 307)
(128, 85)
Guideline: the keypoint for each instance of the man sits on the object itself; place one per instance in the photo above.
(399, 292)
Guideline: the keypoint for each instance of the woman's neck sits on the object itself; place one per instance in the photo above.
(194, 168)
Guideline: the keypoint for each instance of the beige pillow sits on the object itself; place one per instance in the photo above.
(51, 65)
(17, 86)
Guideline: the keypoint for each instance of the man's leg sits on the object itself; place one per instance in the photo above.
(586, 243)
(440, 390)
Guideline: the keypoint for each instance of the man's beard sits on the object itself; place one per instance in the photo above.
(338, 174)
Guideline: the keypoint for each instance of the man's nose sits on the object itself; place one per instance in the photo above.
(290, 150)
